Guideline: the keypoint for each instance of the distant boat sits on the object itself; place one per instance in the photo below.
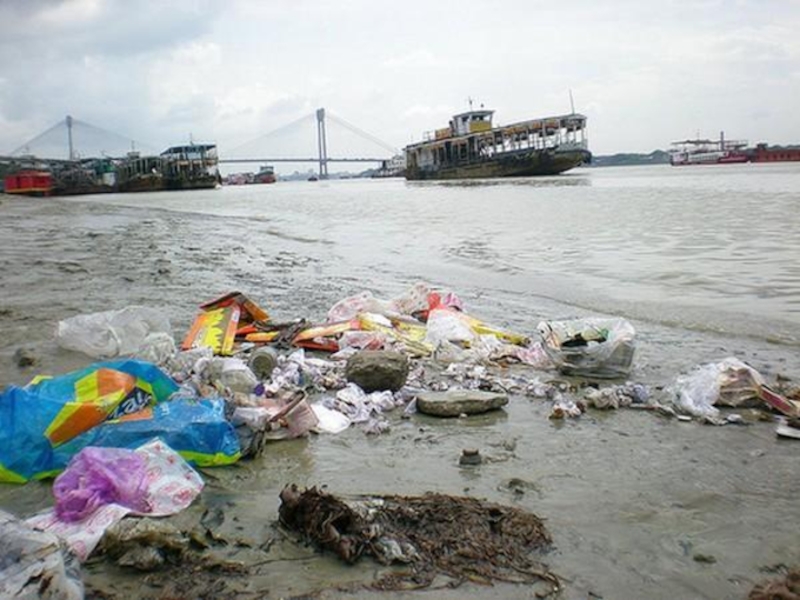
(188, 167)
(265, 175)
(470, 147)
(393, 167)
(708, 152)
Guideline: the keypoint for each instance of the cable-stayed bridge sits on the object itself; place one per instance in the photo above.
(73, 139)
(253, 151)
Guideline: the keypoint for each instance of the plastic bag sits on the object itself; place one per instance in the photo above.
(196, 428)
(157, 348)
(103, 391)
(231, 373)
(111, 333)
(729, 382)
(170, 484)
(697, 392)
(32, 564)
(591, 347)
(347, 308)
(412, 300)
(99, 476)
(330, 421)
(446, 325)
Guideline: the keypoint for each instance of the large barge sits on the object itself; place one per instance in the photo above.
(471, 147)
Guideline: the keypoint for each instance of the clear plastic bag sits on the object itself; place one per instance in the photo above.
(111, 333)
(231, 373)
(591, 347)
(157, 348)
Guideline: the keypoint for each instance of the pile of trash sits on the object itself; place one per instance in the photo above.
(463, 538)
(240, 379)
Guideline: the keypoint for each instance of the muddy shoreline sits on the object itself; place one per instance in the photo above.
(629, 497)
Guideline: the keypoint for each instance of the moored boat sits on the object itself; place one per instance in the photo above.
(29, 183)
(470, 147)
(708, 152)
(266, 174)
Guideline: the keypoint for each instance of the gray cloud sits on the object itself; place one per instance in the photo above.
(229, 72)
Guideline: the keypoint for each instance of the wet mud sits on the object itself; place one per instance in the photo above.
(629, 498)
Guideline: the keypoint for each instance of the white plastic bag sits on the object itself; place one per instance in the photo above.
(729, 382)
(330, 421)
(448, 326)
(111, 333)
(33, 564)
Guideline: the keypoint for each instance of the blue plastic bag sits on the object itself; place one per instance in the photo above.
(195, 429)
(30, 448)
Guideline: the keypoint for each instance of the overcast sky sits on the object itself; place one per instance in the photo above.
(645, 72)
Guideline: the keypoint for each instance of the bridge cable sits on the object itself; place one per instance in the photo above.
(363, 134)
(274, 132)
(39, 137)
(110, 134)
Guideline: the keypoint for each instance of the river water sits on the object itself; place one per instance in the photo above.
(702, 260)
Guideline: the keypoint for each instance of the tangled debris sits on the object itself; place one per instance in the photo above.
(464, 538)
(787, 588)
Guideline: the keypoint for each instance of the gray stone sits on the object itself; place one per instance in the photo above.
(453, 403)
(377, 370)
(470, 457)
(25, 357)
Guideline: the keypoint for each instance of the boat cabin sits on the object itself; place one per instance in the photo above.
(473, 121)
(191, 152)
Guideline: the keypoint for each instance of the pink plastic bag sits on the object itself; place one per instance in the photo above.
(99, 476)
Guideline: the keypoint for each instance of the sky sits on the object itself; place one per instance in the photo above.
(645, 73)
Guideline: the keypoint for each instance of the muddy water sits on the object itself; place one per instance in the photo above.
(702, 261)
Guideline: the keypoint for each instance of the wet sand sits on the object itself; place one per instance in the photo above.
(629, 497)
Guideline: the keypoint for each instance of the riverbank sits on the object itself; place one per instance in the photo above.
(630, 498)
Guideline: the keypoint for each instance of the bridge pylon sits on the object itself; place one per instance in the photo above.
(322, 144)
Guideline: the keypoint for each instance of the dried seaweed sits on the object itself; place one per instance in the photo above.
(465, 538)
(787, 588)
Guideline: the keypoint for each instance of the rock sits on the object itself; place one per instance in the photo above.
(25, 357)
(470, 457)
(456, 402)
(145, 544)
(377, 370)
(704, 558)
